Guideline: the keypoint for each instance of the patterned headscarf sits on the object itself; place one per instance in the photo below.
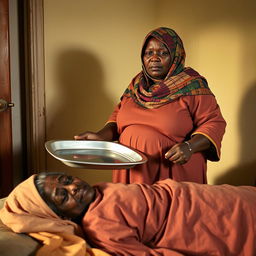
(179, 81)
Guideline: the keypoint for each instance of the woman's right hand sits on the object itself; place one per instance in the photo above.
(88, 136)
(107, 133)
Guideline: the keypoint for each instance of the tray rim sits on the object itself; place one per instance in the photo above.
(94, 165)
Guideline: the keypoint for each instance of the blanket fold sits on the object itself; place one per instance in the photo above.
(64, 244)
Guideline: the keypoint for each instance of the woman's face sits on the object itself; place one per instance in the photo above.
(70, 195)
(156, 59)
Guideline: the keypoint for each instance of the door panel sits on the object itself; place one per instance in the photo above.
(6, 172)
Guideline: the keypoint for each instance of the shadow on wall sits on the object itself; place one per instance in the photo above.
(79, 104)
(245, 172)
(239, 16)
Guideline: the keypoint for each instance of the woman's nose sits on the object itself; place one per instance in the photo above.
(155, 57)
(71, 188)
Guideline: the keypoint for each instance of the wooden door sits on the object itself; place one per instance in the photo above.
(34, 90)
(6, 171)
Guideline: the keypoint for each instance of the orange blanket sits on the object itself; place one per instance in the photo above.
(173, 218)
(63, 244)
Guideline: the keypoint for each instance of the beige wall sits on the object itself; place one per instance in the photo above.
(92, 52)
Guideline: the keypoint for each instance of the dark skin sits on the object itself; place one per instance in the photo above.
(70, 195)
(157, 62)
(156, 59)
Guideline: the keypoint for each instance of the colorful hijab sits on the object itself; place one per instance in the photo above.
(180, 80)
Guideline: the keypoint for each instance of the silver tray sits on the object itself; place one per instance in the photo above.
(90, 154)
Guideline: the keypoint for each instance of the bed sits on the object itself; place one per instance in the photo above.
(15, 244)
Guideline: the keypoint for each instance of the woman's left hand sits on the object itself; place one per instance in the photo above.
(179, 153)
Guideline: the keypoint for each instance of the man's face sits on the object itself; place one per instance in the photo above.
(70, 195)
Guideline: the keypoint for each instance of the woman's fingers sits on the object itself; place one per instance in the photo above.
(82, 136)
(178, 154)
(86, 136)
(78, 137)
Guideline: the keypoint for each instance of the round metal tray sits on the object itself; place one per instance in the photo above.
(90, 154)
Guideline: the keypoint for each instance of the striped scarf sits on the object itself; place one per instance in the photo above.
(180, 80)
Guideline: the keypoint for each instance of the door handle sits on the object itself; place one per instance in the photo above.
(4, 105)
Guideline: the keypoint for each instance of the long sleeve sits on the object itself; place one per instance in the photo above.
(112, 117)
(208, 121)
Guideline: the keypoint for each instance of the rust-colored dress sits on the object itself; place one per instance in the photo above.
(155, 131)
(171, 218)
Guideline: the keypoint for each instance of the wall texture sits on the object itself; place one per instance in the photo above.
(92, 52)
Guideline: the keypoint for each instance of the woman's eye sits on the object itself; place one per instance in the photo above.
(66, 180)
(63, 196)
(69, 180)
(148, 53)
(165, 53)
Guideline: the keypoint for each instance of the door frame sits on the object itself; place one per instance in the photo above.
(35, 86)
(6, 170)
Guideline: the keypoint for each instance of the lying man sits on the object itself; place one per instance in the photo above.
(167, 218)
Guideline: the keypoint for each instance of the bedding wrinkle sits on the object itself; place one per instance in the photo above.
(172, 211)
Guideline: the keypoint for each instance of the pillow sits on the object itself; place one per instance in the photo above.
(15, 244)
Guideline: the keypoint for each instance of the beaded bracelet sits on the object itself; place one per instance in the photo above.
(189, 145)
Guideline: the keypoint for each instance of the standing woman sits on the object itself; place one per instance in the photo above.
(167, 112)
